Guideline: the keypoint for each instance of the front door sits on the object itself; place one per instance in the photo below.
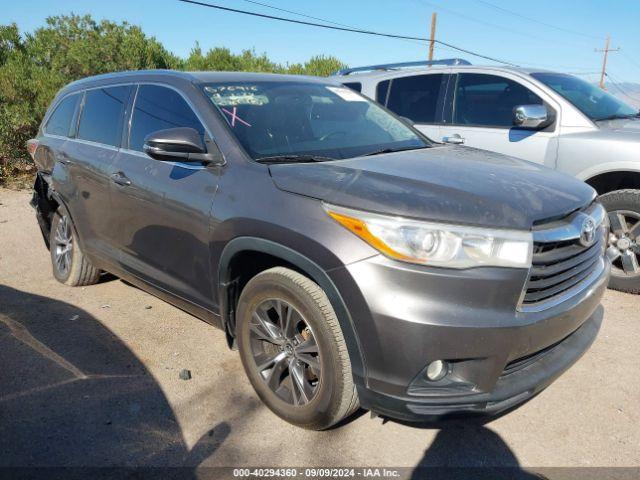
(480, 115)
(162, 209)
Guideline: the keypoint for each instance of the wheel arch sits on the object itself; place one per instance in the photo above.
(46, 202)
(229, 288)
(611, 180)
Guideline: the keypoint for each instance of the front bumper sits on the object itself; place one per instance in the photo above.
(409, 316)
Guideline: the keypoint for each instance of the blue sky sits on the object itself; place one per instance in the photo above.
(575, 28)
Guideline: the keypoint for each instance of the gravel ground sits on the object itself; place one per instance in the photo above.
(90, 376)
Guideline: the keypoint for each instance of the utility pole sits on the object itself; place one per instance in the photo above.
(432, 42)
(606, 51)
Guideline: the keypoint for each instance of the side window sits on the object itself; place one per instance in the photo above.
(102, 115)
(382, 90)
(61, 120)
(158, 108)
(489, 100)
(357, 86)
(416, 97)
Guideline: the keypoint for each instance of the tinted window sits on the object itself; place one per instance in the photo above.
(60, 121)
(283, 118)
(357, 86)
(489, 100)
(381, 91)
(158, 108)
(415, 97)
(589, 99)
(101, 119)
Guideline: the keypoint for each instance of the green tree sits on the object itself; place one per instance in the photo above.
(34, 66)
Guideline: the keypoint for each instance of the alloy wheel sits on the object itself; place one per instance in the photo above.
(285, 351)
(623, 246)
(63, 246)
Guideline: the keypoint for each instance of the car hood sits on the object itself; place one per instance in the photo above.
(444, 183)
(621, 127)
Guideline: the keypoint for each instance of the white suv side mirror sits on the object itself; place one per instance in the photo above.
(533, 117)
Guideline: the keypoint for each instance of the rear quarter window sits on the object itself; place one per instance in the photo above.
(61, 120)
(102, 115)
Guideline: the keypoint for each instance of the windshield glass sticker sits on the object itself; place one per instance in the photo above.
(230, 95)
(346, 94)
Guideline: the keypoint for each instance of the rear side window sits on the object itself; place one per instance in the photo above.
(489, 100)
(61, 120)
(157, 108)
(102, 115)
(416, 97)
(357, 86)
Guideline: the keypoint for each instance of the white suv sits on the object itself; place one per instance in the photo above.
(545, 117)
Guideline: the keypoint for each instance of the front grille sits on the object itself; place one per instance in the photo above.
(560, 264)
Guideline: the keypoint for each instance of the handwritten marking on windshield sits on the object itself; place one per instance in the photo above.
(234, 116)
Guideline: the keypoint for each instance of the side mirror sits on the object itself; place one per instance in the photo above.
(181, 144)
(532, 117)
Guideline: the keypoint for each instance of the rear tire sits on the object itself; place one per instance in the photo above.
(70, 265)
(293, 350)
(623, 207)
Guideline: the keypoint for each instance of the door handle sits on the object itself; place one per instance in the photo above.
(120, 179)
(454, 139)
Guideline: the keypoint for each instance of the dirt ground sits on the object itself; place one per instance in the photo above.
(90, 376)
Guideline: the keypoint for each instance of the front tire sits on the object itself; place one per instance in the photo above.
(293, 350)
(623, 208)
(70, 265)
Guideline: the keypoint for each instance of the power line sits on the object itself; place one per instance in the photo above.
(304, 15)
(616, 83)
(344, 29)
(496, 26)
(516, 14)
(629, 59)
(543, 66)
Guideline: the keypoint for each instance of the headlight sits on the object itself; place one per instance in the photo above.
(437, 244)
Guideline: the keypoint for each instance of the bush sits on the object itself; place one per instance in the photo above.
(33, 67)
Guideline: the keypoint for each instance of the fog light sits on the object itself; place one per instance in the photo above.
(437, 370)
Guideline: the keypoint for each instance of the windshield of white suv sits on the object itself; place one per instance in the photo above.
(594, 102)
(302, 121)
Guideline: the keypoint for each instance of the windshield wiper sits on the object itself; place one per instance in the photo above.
(392, 150)
(293, 159)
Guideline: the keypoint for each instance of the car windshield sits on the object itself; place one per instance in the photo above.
(594, 102)
(304, 121)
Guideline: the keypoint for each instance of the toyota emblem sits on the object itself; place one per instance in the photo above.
(588, 232)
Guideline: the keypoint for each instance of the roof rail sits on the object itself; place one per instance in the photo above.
(393, 66)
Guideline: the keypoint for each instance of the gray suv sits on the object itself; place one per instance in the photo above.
(549, 118)
(349, 260)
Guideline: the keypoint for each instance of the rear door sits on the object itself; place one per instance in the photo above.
(161, 209)
(87, 159)
(416, 97)
(479, 114)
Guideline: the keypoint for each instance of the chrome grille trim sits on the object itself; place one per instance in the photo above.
(562, 266)
(568, 228)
